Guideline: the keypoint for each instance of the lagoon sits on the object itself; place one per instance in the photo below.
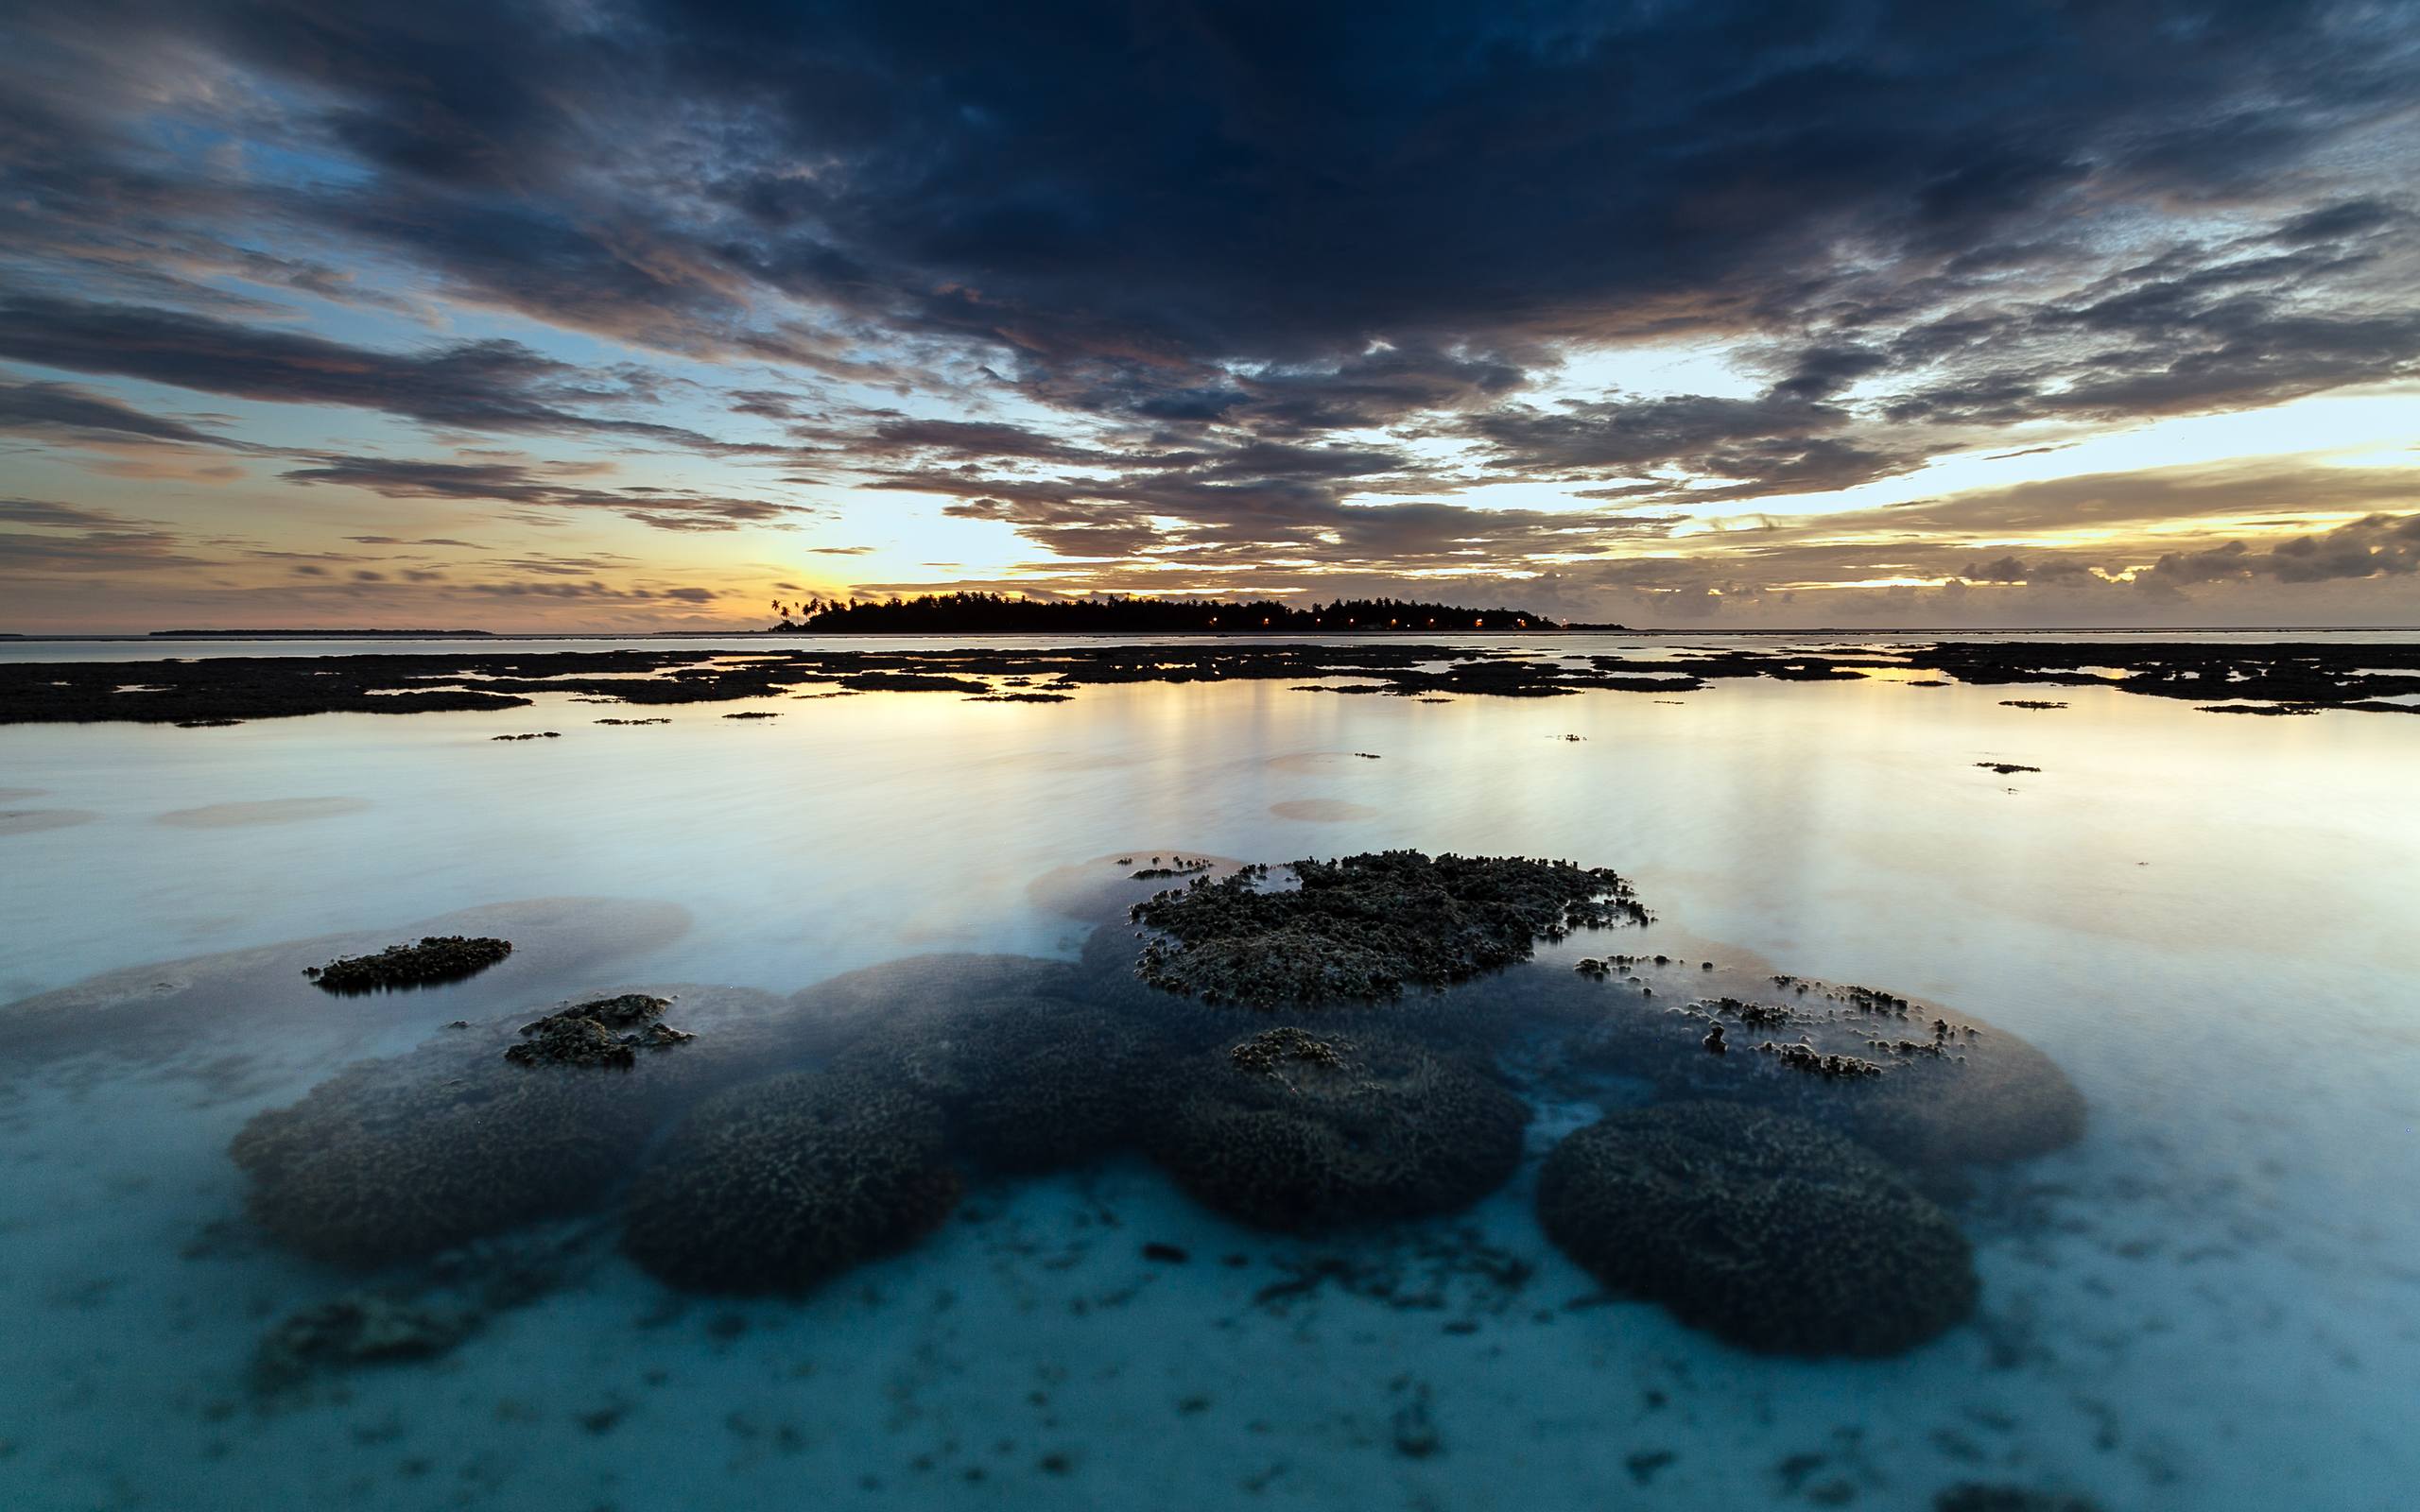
(2206, 1302)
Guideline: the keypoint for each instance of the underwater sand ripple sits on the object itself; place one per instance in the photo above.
(1323, 810)
(33, 821)
(268, 811)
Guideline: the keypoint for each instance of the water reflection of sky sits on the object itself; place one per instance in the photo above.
(2206, 921)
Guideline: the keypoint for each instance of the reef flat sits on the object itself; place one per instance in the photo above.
(767, 1149)
(2249, 676)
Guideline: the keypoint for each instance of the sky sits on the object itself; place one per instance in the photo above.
(634, 313)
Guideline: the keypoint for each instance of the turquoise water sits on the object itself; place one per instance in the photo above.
(2209, 1301)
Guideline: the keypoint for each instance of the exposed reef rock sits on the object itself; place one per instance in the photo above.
(780, 1184)
(1806, 1058)
(911, 683)
(2298, 675)
(1273, 1051)
(1922, 1087)
(436, 958)
(607, 1032)
(203, 1018)
(1298, 1131)
(1368, 926)
(1775, 1234)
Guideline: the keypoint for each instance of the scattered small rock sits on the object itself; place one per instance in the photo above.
(436, 958)
(362, 1328)
(607, 1032)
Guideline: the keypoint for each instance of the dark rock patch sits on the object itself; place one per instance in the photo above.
(1272, 1051)
(607, 1032)
(1366, 927)
(2294, 676)
(436, 958)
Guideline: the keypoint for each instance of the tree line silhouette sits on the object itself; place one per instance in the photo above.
(1001, 613)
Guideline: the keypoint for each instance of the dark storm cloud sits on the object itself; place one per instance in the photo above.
(1236, 265)
(2378, 546)
(1153, 189)
(95, 552)
(100, 542)
(56, 516)
(1779, 443)
(1242, 526)
(488, 386)
(517, 484)
(65, 412)
(593, 591)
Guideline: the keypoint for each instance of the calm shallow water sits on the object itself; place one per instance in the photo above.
(2209, 1302)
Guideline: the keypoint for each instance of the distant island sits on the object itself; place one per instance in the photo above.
(1000, 614)
(310, 635)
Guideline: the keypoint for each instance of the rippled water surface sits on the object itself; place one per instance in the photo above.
(2208, 1300)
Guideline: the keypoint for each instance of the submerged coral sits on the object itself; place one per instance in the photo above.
(436, 958)
(1774, 1234)
(781, 1184)
(401, 1158)
(1294, 1131)
(1367, 926)
(1029, 1082)
(392, 1160)
(835, 1013)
